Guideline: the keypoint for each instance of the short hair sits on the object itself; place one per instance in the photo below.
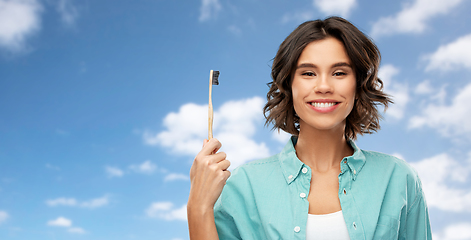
(365, 58)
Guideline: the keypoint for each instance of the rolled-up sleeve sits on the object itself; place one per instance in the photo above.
(225, 224)
(417, 225)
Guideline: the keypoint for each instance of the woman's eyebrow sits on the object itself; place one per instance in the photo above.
(310, 65)
(306, 65)
(341, 64)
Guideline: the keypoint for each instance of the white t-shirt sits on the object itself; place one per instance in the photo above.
(326, 227)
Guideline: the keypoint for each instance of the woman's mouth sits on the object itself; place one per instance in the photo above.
(323, 104)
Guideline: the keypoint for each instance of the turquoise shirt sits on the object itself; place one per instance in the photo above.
(380, 195)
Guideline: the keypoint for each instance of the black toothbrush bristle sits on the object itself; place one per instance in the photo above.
(215, 77)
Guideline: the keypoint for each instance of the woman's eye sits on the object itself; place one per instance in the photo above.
(339, 74)
(310, 74)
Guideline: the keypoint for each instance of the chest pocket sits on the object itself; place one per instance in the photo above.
(386, 229)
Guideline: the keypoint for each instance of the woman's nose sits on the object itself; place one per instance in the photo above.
(323, 85)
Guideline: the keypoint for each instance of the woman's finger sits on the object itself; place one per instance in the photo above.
(215, 158)
(210, 147)
(224, 164)
(227, 174)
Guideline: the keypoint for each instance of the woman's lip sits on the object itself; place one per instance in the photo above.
(324, 109)
(324, 101)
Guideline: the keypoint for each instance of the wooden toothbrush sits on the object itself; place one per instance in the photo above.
(213, 80)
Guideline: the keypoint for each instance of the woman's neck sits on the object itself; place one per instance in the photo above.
(322, 150)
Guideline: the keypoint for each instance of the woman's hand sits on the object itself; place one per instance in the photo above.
(208, 174)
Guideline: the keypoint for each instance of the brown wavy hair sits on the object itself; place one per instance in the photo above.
(365, 57)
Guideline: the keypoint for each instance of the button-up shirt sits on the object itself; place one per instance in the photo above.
(380, 195)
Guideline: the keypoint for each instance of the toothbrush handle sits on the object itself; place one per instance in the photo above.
(210, 107)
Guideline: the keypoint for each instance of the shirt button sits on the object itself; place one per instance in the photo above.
(297, 229)
(354, 171)
(354, 225)
(344, 191)
(302, 195)
(290, 177)
(304, 170)
(344, 161)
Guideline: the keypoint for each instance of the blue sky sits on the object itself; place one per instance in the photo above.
(103, 105)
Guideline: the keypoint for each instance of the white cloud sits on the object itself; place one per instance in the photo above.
(185, 130)
(62, 201)
(399, 91)
(76, 230)
(234, 125)
(449, 120)
(452, 56)
(209, 9)
(335, 7)
(60, 222)
(176, 176)
(457, 231)
(424, 88)
(146, 167)
(113, 172)
(281, 136)
(95, 203)
(386, 73)
(398, 155)
(413, 17)
(166, 211)
(3, 216)
(437, 173)
(72, 202)
(460, 231)
(68, 12)
(67, 223)
(19, 19)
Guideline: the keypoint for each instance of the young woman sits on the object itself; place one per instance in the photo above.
(324, 92)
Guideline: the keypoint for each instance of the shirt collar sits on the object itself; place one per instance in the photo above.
(291, 165)
(356, 161)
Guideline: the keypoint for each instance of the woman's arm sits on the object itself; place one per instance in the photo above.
(208, 175)
(417, 222)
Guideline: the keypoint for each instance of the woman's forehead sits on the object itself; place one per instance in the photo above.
(326, 52)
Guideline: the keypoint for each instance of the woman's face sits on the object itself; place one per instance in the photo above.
(324, 86)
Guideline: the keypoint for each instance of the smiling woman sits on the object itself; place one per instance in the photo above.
(359, 54)
(323, 85)
(324, 92)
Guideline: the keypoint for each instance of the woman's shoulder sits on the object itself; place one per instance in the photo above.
(262, 164)
(395, 165)
(383, 158)
(262, 172)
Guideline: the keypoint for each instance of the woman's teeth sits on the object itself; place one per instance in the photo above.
(322, 105)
